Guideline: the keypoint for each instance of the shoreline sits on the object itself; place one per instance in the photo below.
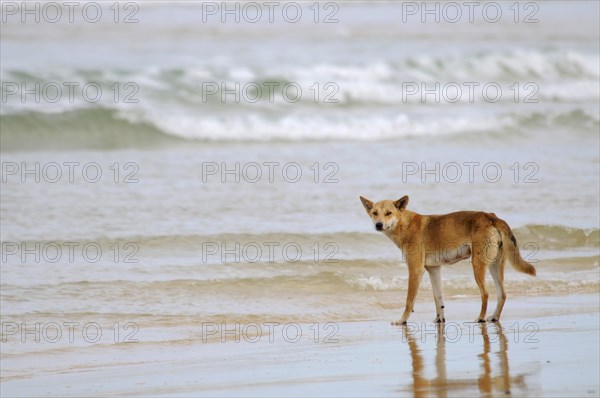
(544, 346)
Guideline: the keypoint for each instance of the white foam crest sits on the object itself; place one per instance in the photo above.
(308, 127)
(458, 284)
(560, 76)
(377, 283)
(581, 90)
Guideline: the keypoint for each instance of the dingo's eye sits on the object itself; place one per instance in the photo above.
(374, 213)
(387, 213)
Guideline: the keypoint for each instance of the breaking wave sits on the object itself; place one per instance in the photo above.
(110, 128)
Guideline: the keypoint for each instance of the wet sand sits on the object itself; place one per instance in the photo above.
(544, 347)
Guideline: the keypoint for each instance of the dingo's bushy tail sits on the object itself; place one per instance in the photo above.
(509, 243)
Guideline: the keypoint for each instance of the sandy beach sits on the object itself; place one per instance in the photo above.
(547, 346)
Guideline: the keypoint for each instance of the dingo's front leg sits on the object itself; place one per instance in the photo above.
(435, 274)
(415, 273)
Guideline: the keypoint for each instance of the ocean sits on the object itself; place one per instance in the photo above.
(179, 169)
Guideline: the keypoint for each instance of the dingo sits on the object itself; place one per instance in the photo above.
(430, 241)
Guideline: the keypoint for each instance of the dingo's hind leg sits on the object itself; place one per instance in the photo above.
(497, 272)
(479, 273)
(485, 254)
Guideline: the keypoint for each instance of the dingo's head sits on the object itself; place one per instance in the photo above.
(386, 213)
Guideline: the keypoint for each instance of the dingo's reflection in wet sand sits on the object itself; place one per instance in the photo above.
(495, 374)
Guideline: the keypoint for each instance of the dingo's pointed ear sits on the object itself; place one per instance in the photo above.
(401, 203)
(366, 203)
